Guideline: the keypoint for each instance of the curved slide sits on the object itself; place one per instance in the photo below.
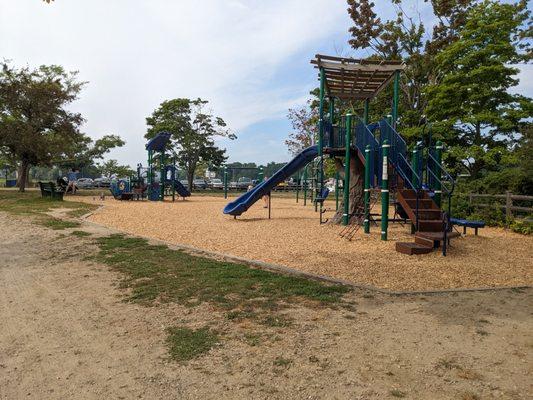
(244, 202)
(181, 190)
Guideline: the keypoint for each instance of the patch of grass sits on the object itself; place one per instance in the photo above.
(78, 212)
(57, 224)
(276, 321)
(185, 344)
(81, 233)
(157, 272)
(30, 203)
(252, 339)
(282, 362)
(397, 393)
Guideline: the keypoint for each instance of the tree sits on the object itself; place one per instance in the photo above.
(35, 126)
(304, 121)
(112, 167)
(193, 130)
(480, 118)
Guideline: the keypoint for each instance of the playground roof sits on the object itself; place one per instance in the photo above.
(158, 142)
(350, 78)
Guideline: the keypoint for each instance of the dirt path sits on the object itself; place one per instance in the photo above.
(66, 334)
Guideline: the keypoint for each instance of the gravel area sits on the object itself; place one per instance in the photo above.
(294, 238)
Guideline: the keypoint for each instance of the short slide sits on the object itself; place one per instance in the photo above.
(181, 190)
(244, 202)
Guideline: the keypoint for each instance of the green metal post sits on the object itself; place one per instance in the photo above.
(174, 178)
(395, 99)
(320, 172)
(365, 113)
(414, 165)
(261, 174)
(345, 215)
(336, 191)
(438, 187)
(298, 186)
(162, 176)
(367, 189)
(225, 182)
(305, 185)
(385, 191)
(150, 176)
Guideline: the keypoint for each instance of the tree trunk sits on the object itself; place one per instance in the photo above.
(190, 178)
(23, 173)
(357, 171)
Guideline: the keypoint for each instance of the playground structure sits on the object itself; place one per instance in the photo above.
(416, 177)
(157, 180)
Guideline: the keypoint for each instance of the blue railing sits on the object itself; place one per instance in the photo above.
(334, 135)
(363, 138)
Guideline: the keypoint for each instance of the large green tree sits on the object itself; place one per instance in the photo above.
(36, 127)
(194, 129)
(479, 117)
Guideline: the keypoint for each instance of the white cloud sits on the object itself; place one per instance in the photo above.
(136, 54)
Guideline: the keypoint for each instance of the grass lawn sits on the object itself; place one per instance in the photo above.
(30, 203)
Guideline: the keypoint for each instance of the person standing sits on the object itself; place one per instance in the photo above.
(266, 197)
(72, 178)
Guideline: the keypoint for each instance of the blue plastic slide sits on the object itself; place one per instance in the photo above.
(244, 202)
(181, 190)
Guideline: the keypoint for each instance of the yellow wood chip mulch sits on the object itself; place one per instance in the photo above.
(294, 238)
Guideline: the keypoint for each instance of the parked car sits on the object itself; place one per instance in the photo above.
(243, 183)
(85, 183)
(216, 184)
(199, 184)
(102, 182)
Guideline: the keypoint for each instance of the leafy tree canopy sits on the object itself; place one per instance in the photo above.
(194, 129)
(36, 127)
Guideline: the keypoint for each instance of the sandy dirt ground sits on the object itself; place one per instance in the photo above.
(294, 238)
(66, 333)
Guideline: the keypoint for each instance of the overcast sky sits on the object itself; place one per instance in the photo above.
(249, 58)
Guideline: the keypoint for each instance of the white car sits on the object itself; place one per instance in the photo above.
(216, 184)
(85, 183)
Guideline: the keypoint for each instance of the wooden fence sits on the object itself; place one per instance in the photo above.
(508, 197)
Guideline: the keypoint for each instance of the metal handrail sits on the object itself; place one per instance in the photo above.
(449, 191)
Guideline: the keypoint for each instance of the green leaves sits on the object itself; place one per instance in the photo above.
(193, 130)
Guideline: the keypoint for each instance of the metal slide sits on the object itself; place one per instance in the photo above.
(244, 202)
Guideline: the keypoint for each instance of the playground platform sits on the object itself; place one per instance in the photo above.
(292, 238)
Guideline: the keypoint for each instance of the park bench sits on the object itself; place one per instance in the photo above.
(468, 224)
(49, 189)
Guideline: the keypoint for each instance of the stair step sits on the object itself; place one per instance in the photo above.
(422, 203)
(424, 241)
(437, 236)
(411, 248)
(429, 214)
(429, 225)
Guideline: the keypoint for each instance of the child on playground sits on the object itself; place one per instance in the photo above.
(266, 197)
(72, 177)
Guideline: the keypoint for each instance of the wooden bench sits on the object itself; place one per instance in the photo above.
(49, 189)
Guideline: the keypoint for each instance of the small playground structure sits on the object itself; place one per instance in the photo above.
(157, 180)
(371, 158)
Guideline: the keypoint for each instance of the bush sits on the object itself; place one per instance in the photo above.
(522, 226)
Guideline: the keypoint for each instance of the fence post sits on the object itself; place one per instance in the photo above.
(225, 182)
(508, 208)
(337, 191)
